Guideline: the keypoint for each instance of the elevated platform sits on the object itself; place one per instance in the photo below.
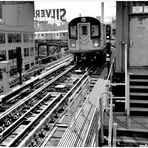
(75, 134)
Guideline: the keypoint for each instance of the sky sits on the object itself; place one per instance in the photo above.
(76, 7)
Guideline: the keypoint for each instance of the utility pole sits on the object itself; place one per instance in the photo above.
(102, 12)
(19, 63)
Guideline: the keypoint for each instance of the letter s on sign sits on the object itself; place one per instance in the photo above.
(62, 14)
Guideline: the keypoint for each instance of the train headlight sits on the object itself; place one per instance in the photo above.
(96, 43)
(73, 44)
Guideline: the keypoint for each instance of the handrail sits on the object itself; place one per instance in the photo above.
(126, 82)
(111, 68)
(110, 122)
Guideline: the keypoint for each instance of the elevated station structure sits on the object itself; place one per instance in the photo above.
(131, 48)
(132, 20)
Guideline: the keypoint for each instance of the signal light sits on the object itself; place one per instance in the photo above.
(108, 31)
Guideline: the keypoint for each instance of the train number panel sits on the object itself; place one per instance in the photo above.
(85, 40)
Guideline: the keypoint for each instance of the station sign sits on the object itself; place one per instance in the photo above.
(57, 14)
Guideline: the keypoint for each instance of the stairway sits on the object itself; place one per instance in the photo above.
(138, 92)
(132, 137)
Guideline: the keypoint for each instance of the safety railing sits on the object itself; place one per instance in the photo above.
(39, 66)
(39, 63)
(96, 124)
(126, 84)
(109, 84)
(76, 99)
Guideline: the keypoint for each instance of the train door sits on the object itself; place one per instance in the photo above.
(138, 46)
(83, 35)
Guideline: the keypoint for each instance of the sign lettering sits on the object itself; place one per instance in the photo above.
(57, 14)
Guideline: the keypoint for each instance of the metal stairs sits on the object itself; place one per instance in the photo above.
(138, 91)
(132, 137)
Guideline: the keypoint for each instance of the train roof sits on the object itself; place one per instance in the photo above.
(84, 19)
(58, 31)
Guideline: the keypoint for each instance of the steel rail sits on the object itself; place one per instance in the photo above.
(34, 122)
(37, 129)
(30, 82)
(34, 93)
(22, 102)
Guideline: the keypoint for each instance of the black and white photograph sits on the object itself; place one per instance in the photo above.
(73, 73)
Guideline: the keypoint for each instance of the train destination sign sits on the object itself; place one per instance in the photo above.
(57, 14)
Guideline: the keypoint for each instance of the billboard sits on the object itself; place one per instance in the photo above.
(57, 14)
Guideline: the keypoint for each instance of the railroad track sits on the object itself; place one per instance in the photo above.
(16, 110)
(47, 133)
(13, 117)
(34, 119)
(12, 98)
(34, 72)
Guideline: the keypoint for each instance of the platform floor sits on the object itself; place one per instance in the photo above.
(130, 122)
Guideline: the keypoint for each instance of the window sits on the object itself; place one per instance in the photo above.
(140, 7)
(32, 64)
(94, 30)
(27, 67)
(2, 55)
(42, 34)
(31, 37)
(73, 32)
(31, 51)
(14, 38)
(26, 52)
(10, 38)
(12, 54)
(26, 38)
(17, 38)
(13, 71)
(84, 30)
(2, 38)
(63, 34)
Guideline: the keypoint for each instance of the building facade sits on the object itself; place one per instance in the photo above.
(17, 30)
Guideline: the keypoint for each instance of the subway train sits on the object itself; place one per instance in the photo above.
(52, 35)
(87, 38)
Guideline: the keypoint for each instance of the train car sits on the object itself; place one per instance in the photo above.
(86, 38)
(52, 35)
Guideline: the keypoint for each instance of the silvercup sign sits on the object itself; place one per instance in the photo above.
(57, 14)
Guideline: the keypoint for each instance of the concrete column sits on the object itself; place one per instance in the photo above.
(119, 35)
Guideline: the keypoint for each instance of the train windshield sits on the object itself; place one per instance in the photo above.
(73, 32)
(94, 30)
(84, 30)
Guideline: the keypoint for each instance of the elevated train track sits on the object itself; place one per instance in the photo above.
(47, 104)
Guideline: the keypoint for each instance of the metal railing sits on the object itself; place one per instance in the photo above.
(39, 65)
(96, 124)
(76, 99)
(113, 126)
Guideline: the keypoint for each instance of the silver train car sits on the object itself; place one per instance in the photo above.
(52, 35)
(87, 38)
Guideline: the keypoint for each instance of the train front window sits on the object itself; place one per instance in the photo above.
(84, 30)
(94, 30)
(73, 33)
